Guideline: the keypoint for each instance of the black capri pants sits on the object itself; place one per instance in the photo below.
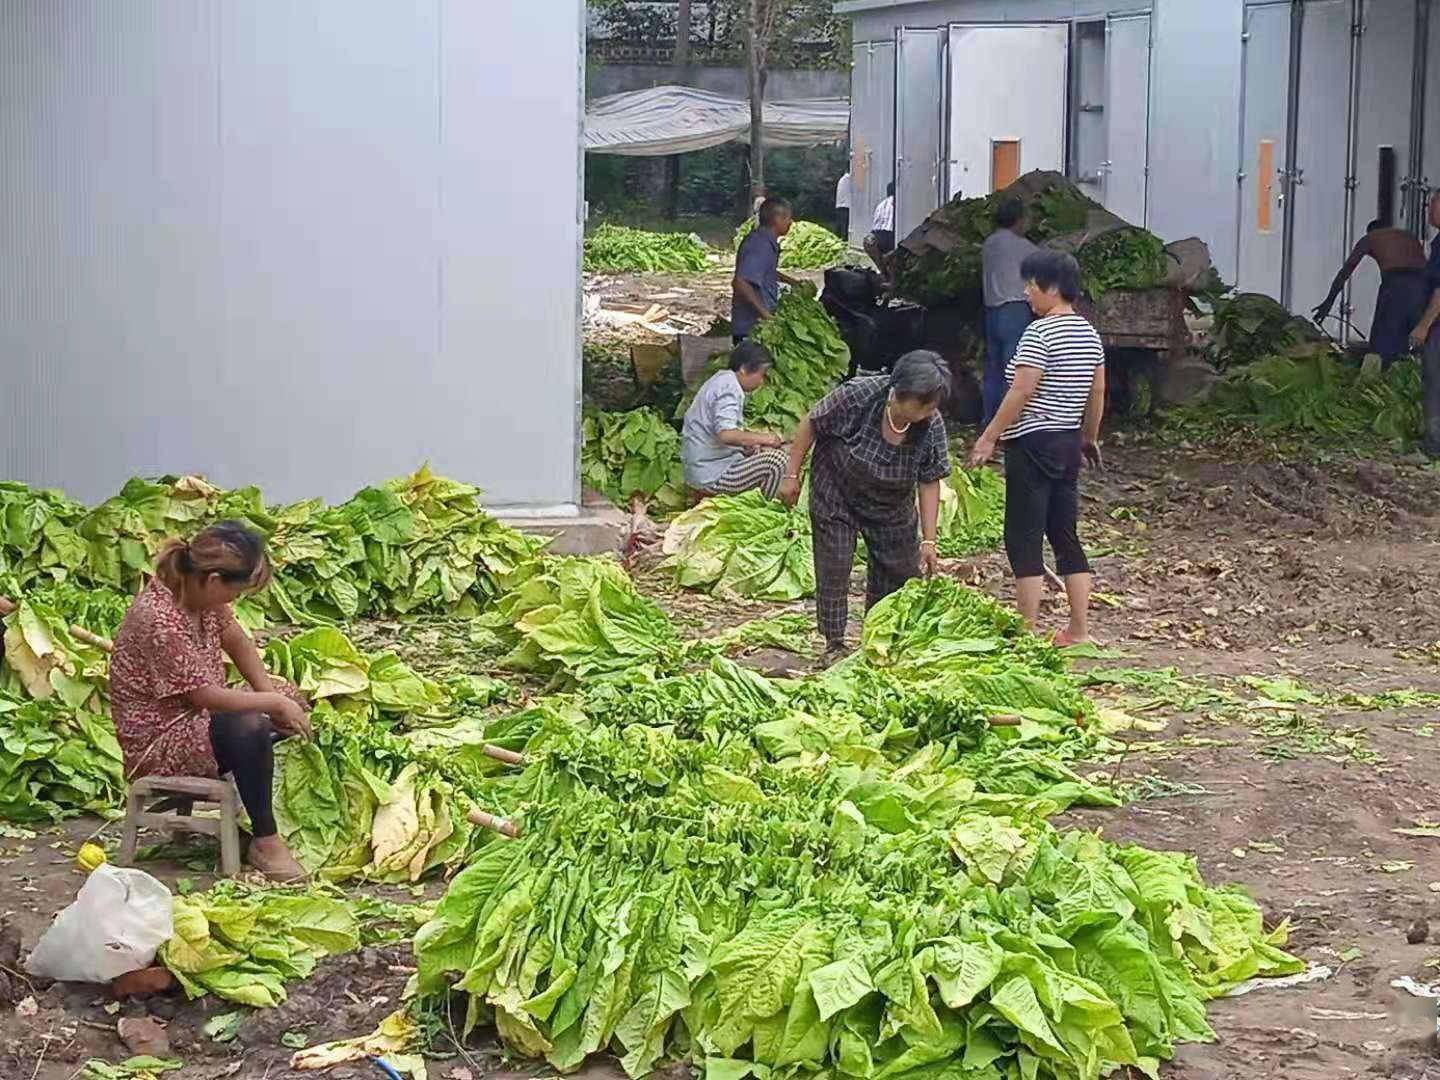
(1042, 498)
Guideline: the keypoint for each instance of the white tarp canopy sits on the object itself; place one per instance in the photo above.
(678, 119)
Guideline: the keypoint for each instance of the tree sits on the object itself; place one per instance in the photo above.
(681, 60)
(782, 33)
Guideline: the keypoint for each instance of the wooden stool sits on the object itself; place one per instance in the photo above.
(180, 793)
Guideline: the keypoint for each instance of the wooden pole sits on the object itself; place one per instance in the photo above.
(495, 824)
(499, 753)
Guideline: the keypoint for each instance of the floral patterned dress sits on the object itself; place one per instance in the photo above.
(162, 653)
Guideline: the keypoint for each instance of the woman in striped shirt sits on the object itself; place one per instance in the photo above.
(1049, 420)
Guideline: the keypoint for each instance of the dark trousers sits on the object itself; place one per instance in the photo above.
(1004, 326)
(244, 746)
(1430, 393)
(842, 223)
(892, 557)
(1399, 305)
(1042, 501)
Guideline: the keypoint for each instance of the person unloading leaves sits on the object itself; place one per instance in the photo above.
(174, 714)
(755, 289)
(1403, 290)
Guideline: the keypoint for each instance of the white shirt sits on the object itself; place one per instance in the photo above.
(842, 193)
(885, 215)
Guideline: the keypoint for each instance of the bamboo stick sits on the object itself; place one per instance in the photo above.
(79, 633)
(495, 824)
(499, 753)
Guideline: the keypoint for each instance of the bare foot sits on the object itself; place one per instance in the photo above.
(271, 857)
(1064, 639)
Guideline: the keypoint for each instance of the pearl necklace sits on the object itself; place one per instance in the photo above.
(889, 420)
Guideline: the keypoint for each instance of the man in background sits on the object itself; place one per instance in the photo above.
(1007, 311)
(842, 207)
(1400, 304)
(880, 244)
(755, 290)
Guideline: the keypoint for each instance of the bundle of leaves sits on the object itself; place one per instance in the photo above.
(362, 799)
(56, 760)
(633, 453)
(244, 945)
(1324, 396)
(810, 360)
(744, 546)
(576, 619)
(1248, 327)
(58, 754)
(809, 914)
(1111, 254)
(807, 246)
(1126, 258)
(618, 247)
(972, 512)
(421, 543)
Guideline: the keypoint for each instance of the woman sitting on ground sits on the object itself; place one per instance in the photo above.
(174, 715)
(719, 455)
(1048, 420)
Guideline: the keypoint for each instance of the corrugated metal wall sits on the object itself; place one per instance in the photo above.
(302, 245)
(1194, 88)
(1220, 123)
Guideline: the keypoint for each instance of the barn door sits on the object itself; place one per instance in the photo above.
(1126, 169)
(1321, 165)
(1387, 75)
(1263, 164)
(919, 92)
(872, 138)
(1007, 103)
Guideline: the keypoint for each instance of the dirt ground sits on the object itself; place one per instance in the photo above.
(1326, 573)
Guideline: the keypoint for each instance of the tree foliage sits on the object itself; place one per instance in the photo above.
(794, 33)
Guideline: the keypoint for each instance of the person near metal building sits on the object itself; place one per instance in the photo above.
(720, 457)
(1403, 289)
(1426, 336)
(880, 244)
(755, 289)
(1049, 420)
(1007, 312)
(880, 449)
(842, 206)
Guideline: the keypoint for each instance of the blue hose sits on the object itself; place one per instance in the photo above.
(386, 1068)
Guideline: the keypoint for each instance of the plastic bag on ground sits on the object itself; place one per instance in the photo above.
(115, 925)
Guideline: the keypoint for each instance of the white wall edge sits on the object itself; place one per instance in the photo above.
(558, 511)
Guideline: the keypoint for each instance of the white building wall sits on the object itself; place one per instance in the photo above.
(302, 245)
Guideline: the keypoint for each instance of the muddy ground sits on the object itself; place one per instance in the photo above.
(1326, 572)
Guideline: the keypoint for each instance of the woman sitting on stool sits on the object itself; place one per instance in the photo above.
(174, 715)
